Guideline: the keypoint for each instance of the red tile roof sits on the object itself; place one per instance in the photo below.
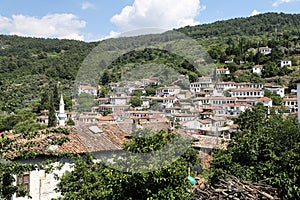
(264, 99)
(80, 140)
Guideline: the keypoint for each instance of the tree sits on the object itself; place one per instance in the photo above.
(70, 122)
(44, 102)
(94, 180)
(137, 93)
(107, 112)
(150, 91)
(55, 97)
(8, 122)
(276, 98)
(265, 147)
(105, 79)
(52, 121)
(104, 91)
(85, 102)
(270, 70)
(136, 101)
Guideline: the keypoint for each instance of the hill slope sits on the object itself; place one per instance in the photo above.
(29, 66)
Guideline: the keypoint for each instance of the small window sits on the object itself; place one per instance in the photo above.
(24, 180)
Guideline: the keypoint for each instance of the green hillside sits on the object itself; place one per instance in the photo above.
(268, 24)
(29, 66)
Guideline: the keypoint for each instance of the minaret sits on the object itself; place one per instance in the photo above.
(62, 115)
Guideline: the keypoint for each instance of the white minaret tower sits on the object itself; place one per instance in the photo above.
(62, 115)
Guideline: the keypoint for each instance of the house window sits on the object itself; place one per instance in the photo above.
(24, 180)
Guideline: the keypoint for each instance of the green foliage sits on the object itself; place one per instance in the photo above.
(250, 26)
(59, 141)
(52, 121)
(106, 112)
(104, 91)
(271, 69)
(17, 121)
(60, 130)
(137, 93)
(247, 76)
(94, 180)
(44, 103)
(265, 147)
(29, 66)
(124, 64)
(277, 100)
(20, 146)
(55, 97)
(70, 122)
(28, 126)
(85, 102)
(150, 91)
(136, 101)
(8, 122)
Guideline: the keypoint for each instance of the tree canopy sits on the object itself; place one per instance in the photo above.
(95, 180)
(266, 147)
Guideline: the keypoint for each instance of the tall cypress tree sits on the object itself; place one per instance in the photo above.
(55, 96)
(44, 102)
(51, 118)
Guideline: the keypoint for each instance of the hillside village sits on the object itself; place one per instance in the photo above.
(206, 110)
(102, 118)
(209, 103)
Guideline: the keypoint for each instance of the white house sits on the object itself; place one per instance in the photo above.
(191, 127)
(225, 85)
(87, 118)
(168, 91)
(222, 71)
(290, 102)
(235, 109)
(112, 108)
(199, 86)
(102, 100)
(120, 100)
(87, 89)
(172, 110)
(266, 101)
(204, 79)
(215, 100)
(257, 69)
(184, 117)
(249, 85)
(276, 89)
(247, 92)
(150, 82)
(164, 102)
(113, 86)
(265, 50)
(285, 63)
(106, 119)
(42, 119)
(86, 138)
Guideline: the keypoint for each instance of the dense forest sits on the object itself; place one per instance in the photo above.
(268, 24)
